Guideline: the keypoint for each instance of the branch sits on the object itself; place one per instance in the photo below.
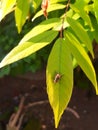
(67, 7)
(36, 103)
(16, 118)
(46, 101)
(73, 112)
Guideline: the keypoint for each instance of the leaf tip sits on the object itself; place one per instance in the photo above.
(92, 53)
(33, 19)
(57, 117)
(57, 122)
(1, 65)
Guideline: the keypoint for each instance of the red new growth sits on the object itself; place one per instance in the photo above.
(44, 7)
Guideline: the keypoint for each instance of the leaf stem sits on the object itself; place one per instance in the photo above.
(67, 7)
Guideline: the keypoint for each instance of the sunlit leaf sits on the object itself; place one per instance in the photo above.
(51, 7)
(96, 9)
(75, 64)
(81, 33)
(87, 1)
(36, 3)
(79, 7)
(59, 89)
(45, 25)
(65, 23)
(57, 1)
(82, 58)
(6, 7)
(29, 47)
(89, 8)
(21, 13)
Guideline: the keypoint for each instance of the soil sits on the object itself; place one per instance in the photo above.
(34, 87)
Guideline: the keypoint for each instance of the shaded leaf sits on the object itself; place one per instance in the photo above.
(59, 90)
(32, 124)
(81, 33)
(29, 47)
(82, 58)
(6, 7)
(21, 13)
(4, 71)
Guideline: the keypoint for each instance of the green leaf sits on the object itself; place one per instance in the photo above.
(59, 93)
(4, 71)
(36, 3)
(87, 1)
(6, 7)
(21, 13)
(82, 58)
(96, 9)
(29, 47)
(57, 1)
(65, 23)
(79, 7)
(89, 8)
(51, 7)
(75, 64)
(45, 25)
(95, 26)
(81, 34)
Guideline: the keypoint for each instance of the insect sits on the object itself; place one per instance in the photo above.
(57, 78)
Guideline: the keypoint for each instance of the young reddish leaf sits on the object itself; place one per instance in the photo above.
(52, 7)
(44, 7)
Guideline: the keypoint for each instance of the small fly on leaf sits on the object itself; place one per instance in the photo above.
(57, 78)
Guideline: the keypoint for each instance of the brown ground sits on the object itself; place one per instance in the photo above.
(35, 88)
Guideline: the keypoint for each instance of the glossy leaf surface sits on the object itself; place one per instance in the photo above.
(96, 9)
(59, 89)
(21, 13)
(45, 25)
(79, 7)
(6, 7)
(82, 58)
(51, 7)
(29, 47)
(81, 33)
